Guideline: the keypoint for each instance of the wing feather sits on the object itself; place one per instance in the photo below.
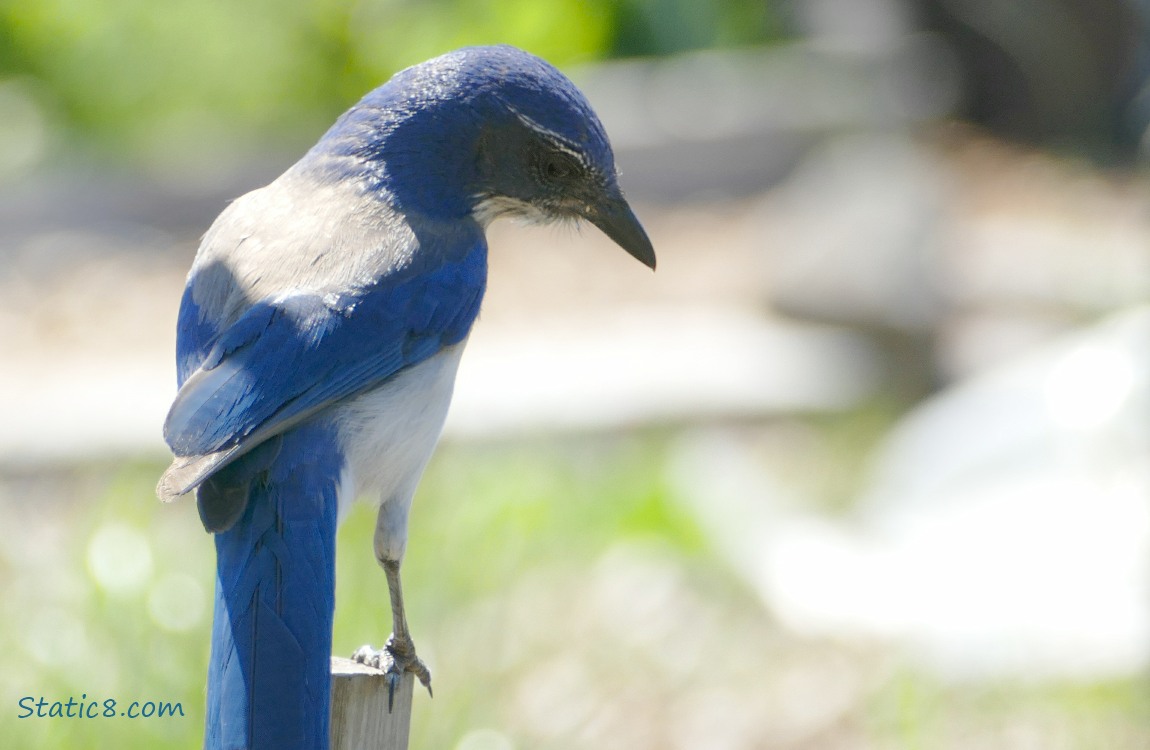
(289, 357)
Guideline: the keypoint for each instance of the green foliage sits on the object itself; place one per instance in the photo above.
(130, 73)
(484, 514)
(111, 597)
(104, 599)
(550, 581)
(141, 79)
(663, 27)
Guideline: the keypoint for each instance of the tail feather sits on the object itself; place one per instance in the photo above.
(269, 676)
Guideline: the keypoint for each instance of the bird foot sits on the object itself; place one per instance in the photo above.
(396, 657)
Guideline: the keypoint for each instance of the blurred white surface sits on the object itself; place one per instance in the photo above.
(653, 366)
(640, 367)
(1006, 529)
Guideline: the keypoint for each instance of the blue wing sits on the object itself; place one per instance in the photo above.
(288, 357)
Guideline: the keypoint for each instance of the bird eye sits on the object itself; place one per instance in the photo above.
(559, 166)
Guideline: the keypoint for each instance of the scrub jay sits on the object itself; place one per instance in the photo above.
(318, 339)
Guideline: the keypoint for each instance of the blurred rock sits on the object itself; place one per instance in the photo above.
(732, 123)
(1067, 74)
(953, 251)
(852, 235)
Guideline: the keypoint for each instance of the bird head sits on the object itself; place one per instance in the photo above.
(491, 131)
(543, 155)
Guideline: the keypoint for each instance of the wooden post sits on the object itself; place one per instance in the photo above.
(359, 715)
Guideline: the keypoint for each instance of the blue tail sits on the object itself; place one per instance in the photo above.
(269, 679)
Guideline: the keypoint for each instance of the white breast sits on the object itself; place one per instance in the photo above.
(389, 433)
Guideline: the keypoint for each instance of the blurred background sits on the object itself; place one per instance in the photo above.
(864, 465)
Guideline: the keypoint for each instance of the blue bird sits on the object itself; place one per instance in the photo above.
(318, 340)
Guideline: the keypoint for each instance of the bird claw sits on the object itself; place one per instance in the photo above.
(394, 659)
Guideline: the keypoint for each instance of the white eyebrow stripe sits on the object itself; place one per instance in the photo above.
(559, 146)
(554, 139)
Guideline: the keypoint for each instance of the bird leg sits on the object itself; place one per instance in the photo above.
(398, 654)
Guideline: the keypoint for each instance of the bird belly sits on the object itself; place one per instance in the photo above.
(389, 433)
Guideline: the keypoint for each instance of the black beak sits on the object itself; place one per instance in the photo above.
(616, 219)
